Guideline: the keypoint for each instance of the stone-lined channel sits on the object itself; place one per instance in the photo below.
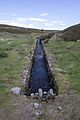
(41, 81)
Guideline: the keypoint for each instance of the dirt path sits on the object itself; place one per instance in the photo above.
(65, 107)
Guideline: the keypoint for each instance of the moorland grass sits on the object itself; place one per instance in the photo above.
(14, 50)
(67, 57)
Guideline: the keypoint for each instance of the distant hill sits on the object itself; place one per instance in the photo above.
(71, 33)
(42, 34)
(17, 30)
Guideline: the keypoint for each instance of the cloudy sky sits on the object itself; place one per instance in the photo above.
(43, 14)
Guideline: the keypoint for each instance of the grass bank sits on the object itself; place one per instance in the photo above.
(67, 57)
(14, 56)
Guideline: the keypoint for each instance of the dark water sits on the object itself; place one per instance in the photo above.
(39, 73)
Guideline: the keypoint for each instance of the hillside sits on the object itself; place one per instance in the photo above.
(71, 33)
(17, 30)
(22, 30)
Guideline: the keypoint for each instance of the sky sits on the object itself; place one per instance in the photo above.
(41, 14)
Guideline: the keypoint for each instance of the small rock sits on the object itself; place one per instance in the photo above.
(59, 107)
(32, 95)
(24, 76)
(16, 90)
(25, 73)
(23, 81)
(45, 92)
(36, 105)
(36, 94)
(38, 113)
(51, 69)
(40, 92)
(50, 65)
(51, 92)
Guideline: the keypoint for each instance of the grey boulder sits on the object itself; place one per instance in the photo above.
(16, 90)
